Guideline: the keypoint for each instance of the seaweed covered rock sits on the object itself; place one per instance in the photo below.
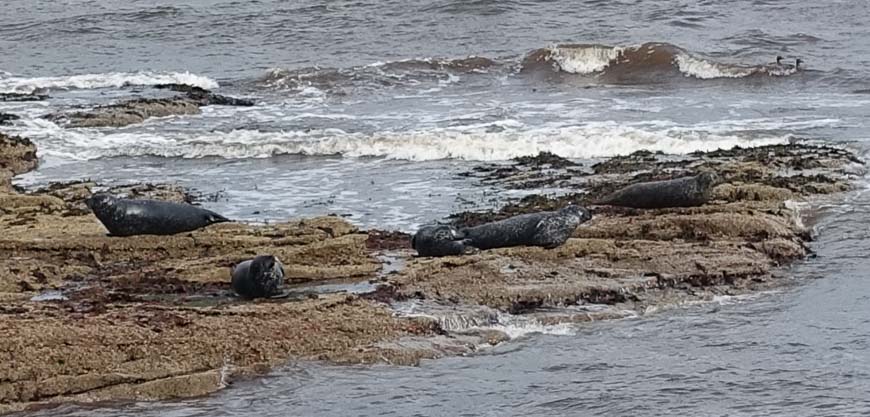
(140, 109)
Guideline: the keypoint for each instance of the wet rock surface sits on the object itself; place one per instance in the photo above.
(153, 317)
(94, 318)
(138, 110)
(23, 96)
(641, 259)
(17, 155)
(7, 118)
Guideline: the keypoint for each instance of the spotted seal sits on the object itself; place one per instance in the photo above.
(549, 229)
(439, 240)
(680, 192)
(260, 277)
(127, 217)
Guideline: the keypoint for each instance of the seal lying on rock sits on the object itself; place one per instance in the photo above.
(260, 277)
(439, 240)
(549, 229)
(680, 192)
(125, 217)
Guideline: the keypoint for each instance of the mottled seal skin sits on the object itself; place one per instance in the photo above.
(260, 277)
(680, 192)
(439, 240)
(549, 229)
(125, 217)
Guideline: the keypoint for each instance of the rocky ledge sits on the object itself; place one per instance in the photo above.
(7, 118)
(140, 109)
(91, 318)
(34, 96)
(17, 156)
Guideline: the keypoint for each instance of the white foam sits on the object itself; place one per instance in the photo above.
(458, 319)
(703, 69)
(583, 60)
(112, 79)
(592, 140)
(797, 208)
(518, 326)
(49, 296)
(736, 299)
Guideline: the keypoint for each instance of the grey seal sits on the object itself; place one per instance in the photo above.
(260, 277)
(439, 240)
(549, 229)
(680, 192)
(127, 217)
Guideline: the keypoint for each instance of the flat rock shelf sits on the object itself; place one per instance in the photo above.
(89, 318)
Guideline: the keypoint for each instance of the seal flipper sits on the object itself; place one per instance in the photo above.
(213, 218)
(468, 247)
(280, 294)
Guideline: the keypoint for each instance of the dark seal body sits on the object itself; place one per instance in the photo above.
(548, 229)
(438, 240)
(680, 192)
(125, 217)
(260, 277)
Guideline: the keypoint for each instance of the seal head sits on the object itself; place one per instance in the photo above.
(439, 240)
(555, 229)
(260, 277)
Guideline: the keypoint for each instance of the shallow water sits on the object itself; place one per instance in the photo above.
(368, 109)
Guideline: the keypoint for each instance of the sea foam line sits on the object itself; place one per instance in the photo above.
(593, 140)
(14, 84)
(586, 60)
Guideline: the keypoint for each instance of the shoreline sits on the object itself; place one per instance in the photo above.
(151, 318)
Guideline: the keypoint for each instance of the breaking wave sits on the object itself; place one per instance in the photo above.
(599, 139)
(12, 84)
(648, 62)
(637, 62)
(380, 74)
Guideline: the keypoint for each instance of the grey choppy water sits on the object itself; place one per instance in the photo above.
(388, 87)
(370, 109)
(391, 82)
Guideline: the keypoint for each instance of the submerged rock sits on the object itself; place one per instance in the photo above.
(140, 109)
(211, 99)
(23, 97)
(181, 88)
(7, 118)
(127, 113)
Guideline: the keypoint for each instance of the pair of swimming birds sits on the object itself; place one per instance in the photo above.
(785, 66)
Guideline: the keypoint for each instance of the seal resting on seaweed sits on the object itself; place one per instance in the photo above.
(680, 192)
(260, 277)
(439, 240)
(548, 229)
(127, 217)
